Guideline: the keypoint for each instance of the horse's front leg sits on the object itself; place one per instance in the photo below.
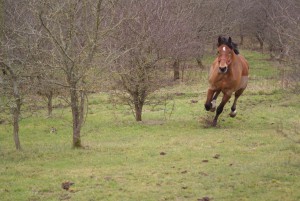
(214, 101)
(208, 105)
(225, 99)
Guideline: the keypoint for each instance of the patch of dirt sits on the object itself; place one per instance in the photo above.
(204, 199)
(207, 122)
(217, 156)
(184, 172)
(66, 185)
(203, 173)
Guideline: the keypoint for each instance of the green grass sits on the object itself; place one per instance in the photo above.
(259, 151)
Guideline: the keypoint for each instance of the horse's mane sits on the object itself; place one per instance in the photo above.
(224, 41)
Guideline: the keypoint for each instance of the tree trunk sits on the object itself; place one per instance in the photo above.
(261, 43)
(81, 108)
(16, 110)
(271, 51)
(49, 105)
(16, 116)
(75, 117)
(241, 36)
(176, 70)
(138, 106)
(261, 46)
(199, 62)
(241, 39)
(138, 112)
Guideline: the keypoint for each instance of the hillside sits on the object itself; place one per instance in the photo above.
(174, 154)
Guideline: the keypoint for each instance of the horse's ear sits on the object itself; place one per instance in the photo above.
(219, 41)
(229, 40)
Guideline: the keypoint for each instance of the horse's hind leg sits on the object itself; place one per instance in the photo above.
(236, 96)
(213, 102)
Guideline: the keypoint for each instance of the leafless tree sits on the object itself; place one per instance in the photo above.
(284, 25)
(137, 51)
(181, 32)
(73, 30)
(252, 21)
(17, 50)
(274, 24)
(284, 36)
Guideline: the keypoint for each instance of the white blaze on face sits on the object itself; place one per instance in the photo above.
(224, 49)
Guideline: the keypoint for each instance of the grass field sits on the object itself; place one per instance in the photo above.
(172, 155)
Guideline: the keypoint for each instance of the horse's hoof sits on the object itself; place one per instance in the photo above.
(208, 106)
(213, 109)
(232, 113)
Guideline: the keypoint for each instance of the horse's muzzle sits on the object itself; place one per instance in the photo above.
(223, 69)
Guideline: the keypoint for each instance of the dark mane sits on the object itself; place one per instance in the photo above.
(224, 41)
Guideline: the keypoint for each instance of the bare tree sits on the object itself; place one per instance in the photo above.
(253, 22)
(136, 52)
(74, 30)
(284, 26)
(274, 24)
(16, 53)
(181, 32)
(284, 37)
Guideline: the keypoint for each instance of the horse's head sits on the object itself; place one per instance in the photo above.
(226, 50)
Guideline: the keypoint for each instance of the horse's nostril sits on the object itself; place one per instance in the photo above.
(223, 69)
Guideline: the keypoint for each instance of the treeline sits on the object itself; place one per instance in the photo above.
(70, 48)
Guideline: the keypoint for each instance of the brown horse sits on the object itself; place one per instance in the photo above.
(228, 74)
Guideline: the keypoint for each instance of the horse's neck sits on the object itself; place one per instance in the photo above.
(235, 57)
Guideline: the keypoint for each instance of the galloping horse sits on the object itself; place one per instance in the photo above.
(228, 74)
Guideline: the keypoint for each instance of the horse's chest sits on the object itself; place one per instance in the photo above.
(224, 82)
(226, 85)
